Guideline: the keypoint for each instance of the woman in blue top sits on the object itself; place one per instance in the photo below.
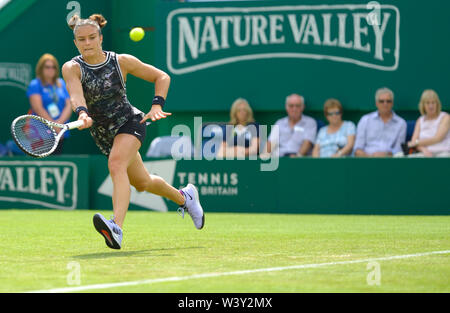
(336, 139)
(48, 94)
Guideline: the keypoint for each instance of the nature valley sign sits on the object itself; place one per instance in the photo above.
(49, 184)
(200, 38)
(15, 75)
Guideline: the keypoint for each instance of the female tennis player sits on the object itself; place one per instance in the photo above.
(96, 84)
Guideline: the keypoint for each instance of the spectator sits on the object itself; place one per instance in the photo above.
(242, 133)
(48, 95)
(295, 133)
(380, 133)
(432, 131)
(336, 139)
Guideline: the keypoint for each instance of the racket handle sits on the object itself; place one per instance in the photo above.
(75, 124)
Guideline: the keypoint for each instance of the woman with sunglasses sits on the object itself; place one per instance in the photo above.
(336, 139)
(48, 95)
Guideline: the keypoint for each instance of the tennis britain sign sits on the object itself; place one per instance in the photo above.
(366, 35)
(212, 183)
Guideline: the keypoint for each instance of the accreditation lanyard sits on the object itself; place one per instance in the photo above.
(53, 108)
(54, 94)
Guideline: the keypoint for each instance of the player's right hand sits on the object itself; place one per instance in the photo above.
(87, 120)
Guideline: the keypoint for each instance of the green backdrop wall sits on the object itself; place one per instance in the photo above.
(290, 35)
(309, 47)
(314, 186)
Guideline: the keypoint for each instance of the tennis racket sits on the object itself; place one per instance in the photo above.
(37, 136)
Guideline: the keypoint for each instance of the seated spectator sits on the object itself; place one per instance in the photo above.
(48, 95)
(336, 139)
(295, 133)
(241, 135)
(380, 133)
(432, 132)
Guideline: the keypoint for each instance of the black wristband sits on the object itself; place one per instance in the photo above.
(158, 100)
(81, 108)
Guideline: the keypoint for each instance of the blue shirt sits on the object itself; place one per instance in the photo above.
(373, 135)
(331, 143)
(53, 97)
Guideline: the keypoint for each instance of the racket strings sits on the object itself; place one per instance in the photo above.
(34, 136)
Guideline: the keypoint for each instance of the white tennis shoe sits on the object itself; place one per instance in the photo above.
(192, 206)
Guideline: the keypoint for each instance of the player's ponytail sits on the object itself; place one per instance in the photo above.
(101, 21)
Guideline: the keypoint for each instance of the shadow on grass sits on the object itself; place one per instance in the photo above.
(121, 253)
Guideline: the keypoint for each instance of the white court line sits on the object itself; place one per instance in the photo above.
(243, 272)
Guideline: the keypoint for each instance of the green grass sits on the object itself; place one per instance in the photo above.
(38, 245)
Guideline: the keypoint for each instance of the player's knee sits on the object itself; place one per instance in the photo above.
(116, 166)
(140, 185)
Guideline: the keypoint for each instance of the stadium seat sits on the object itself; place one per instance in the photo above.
(161, 147)
(13, 149)
(3, 150)
(320, 124)
(410, 125)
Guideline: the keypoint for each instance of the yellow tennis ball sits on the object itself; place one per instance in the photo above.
(137, 33)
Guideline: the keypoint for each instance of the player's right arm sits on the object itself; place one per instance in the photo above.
(72, 75)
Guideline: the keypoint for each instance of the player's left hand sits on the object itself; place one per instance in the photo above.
(156, 113)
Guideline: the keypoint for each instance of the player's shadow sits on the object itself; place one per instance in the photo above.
(139, 253)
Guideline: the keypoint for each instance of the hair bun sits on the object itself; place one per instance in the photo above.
(73, 21)
(101, 21)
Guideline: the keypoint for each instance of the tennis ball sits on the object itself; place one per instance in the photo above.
(137, 33)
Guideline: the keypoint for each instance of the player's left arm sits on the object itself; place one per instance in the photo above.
(132, 65)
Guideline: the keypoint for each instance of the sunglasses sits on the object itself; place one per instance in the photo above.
(333, 113)
(384, 101)
(50, 67)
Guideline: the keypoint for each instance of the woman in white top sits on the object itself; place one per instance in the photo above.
(432, 132)
(241, 135)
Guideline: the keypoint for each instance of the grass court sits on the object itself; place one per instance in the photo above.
(60, 251)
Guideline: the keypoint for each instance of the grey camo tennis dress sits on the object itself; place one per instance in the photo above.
(106, 99)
